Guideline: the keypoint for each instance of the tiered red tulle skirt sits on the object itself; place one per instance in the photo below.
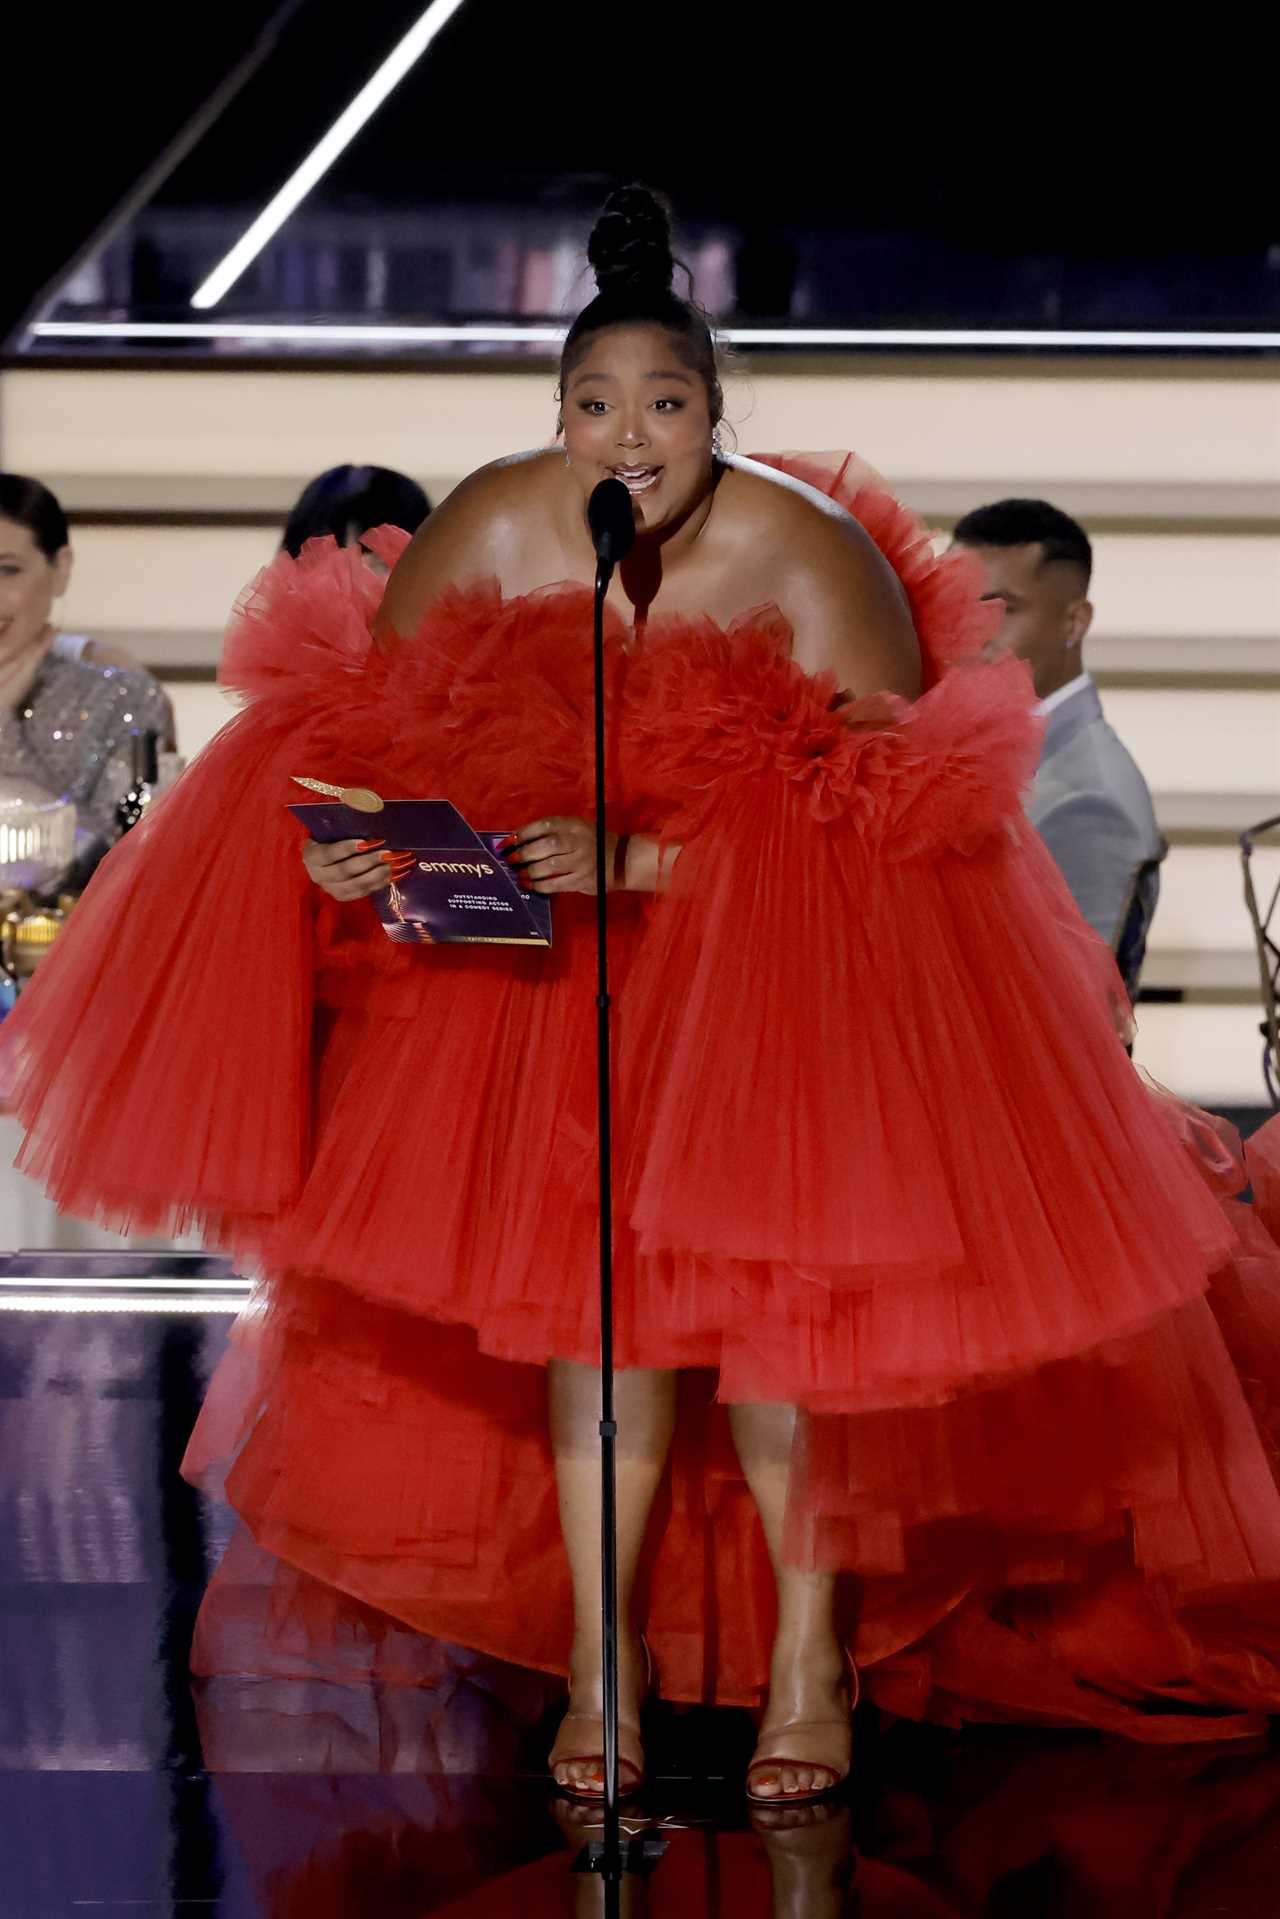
(881, 1156)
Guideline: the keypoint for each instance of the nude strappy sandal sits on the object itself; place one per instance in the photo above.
(782, 1735)
(575, 1745)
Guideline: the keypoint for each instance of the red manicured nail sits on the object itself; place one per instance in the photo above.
(367, 846)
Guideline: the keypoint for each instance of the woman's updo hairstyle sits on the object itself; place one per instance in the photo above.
(630, 253)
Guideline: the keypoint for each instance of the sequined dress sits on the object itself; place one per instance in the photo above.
(72, 735)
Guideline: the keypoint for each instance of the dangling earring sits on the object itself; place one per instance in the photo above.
(717, 444)
(567, 460)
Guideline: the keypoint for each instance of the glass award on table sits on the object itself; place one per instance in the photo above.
(459, 890)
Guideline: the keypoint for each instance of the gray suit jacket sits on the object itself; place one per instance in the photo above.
(1091, 807)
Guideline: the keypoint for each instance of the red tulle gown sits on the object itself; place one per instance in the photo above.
(881, 1155)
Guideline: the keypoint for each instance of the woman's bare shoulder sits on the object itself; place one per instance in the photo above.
(764, 502)
(478, 532)
(844, 602)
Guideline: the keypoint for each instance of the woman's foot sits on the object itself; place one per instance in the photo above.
(577, 1757)
(806, 1741)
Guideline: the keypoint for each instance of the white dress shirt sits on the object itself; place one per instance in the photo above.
(1066, 692)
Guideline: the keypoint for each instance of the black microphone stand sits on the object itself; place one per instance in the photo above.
(604, 1100)
(605, 1855)
(612, 531)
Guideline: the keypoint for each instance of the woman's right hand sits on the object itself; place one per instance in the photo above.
(354, 869)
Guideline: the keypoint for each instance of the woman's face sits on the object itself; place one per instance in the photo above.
(634, 412)
(29, 585)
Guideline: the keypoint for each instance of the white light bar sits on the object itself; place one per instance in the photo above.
(325, 333)
(24, 1282)
(322, 156)
(322, 332)
(117, 1303)
(987, 336)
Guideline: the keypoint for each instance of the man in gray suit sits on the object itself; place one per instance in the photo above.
(1088, 801)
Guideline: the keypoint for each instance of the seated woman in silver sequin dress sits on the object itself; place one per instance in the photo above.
(69, 709)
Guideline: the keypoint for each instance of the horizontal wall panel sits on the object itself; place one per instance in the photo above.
(198, 713)
(1202, 898)
(1209, 1054)
(1188, 660)
(153, 577)
(1132, 505)
(1023, 431)
(1208, 583)
(1213, 819)
(1126, 664)
(191, 652)
(148, 579)
(1225, 977)
(1201, 742)
(915, 423)
(268, 424)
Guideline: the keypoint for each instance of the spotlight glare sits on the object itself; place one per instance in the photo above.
(322, 156)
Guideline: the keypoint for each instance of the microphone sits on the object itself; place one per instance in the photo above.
(612, 523)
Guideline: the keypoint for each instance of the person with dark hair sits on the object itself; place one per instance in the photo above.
(346, 502)
(1088, 801)
(69, 712)
(919, 1369)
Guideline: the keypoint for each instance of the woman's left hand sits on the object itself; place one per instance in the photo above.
(558, 856)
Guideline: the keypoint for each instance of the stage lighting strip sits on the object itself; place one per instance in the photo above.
(115, 1303)
(21, 1293)
(333, 333)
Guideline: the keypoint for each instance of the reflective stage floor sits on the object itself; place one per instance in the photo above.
(124, 1789)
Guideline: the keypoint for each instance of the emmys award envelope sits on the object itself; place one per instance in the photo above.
(460, 889)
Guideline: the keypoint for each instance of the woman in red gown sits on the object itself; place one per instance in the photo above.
(934, 1343)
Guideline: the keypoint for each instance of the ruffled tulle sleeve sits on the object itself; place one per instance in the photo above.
(892, 1052)
(714, 711)
(191, 952)
(160, 1061)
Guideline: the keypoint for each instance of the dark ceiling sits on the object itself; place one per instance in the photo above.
(960, 130)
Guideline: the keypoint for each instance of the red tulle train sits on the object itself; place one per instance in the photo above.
(880, 1156)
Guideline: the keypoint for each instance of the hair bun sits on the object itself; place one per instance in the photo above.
(630, 244)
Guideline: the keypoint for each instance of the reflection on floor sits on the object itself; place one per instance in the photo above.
(123, 1788)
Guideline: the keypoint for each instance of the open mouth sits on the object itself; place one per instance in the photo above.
(637, 479)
